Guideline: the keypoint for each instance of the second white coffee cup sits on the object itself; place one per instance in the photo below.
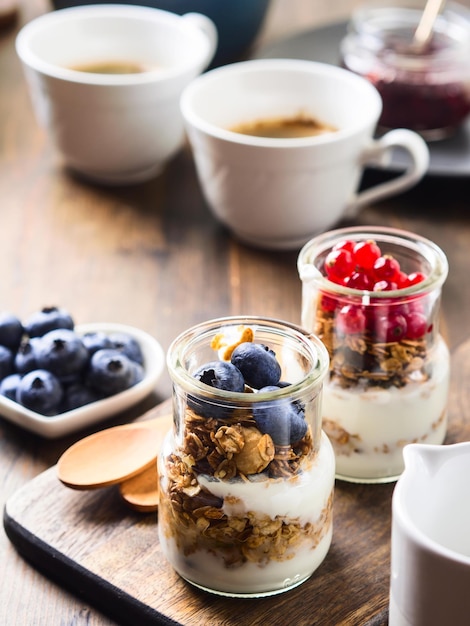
(277, 192)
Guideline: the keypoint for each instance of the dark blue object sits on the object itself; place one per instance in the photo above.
(26, 358)
(11, 331)
(257, 363)
(40, 391)
(127, 345)
(62, 352)
(47, 319)
(9, 385)
(237, 21)
(221, 375)
(77, 395)
(94, 341)
(282, 419)
(6, 362)
(111, 371)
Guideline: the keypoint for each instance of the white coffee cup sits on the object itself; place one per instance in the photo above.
(275, 192)
(430, 548)
(114, 128)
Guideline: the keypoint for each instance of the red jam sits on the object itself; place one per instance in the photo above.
(426, 90)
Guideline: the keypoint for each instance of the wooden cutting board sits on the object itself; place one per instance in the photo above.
(92, 544)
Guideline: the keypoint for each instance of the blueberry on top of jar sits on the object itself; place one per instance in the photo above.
(218, 375)
(221, 375)
(257, 363)
(282, 419)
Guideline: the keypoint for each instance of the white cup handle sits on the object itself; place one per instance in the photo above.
(208, 27)
(379, 153)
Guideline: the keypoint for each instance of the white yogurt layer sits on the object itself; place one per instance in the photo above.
(302, 496)
(380, 422)
(302, 500)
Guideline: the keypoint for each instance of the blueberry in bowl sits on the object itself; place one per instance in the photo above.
(111, 371)
(40, 391)
(11, 330)
(46, 319)
(62, 352)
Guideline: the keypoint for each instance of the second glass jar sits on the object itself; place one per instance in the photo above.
(389, 366)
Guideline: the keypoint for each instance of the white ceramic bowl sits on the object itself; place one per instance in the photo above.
(71, 421)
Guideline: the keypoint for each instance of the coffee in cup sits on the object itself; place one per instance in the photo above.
(284, 127)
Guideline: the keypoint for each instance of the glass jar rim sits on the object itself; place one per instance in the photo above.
(453, 13)
(311, 344)
(428, 250)
(373, 20)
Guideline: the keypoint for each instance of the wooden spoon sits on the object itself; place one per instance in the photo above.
(113, 455)
(141, 492)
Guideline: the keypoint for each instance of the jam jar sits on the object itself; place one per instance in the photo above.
(247, 474)
(425, 88)
(372, 295)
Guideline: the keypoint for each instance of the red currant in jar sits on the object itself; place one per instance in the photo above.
(361, 265)
(401, 279)
(345, 244)
(417, 306)
(385, 285)
(365, 254)
(390, 327)
(359, 280)
(338, 264)
(414, 278)
(328, 303)
(386, 268)
(417, 325)
(351, 319)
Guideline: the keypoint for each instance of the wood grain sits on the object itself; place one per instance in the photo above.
(90, 541)
(154, 257)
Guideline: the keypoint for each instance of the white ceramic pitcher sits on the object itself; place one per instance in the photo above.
(430, 558)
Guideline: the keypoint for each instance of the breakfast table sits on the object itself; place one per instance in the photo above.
(152, 256)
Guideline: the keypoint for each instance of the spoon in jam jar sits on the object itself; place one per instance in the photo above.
(113, 455)
(424, 30)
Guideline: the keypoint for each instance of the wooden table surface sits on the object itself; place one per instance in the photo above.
(153, 256)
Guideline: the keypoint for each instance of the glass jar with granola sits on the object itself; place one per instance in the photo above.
(247, 475)
(372, 295)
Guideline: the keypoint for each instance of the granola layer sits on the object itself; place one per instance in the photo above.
(360, 359)
(209, 505)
